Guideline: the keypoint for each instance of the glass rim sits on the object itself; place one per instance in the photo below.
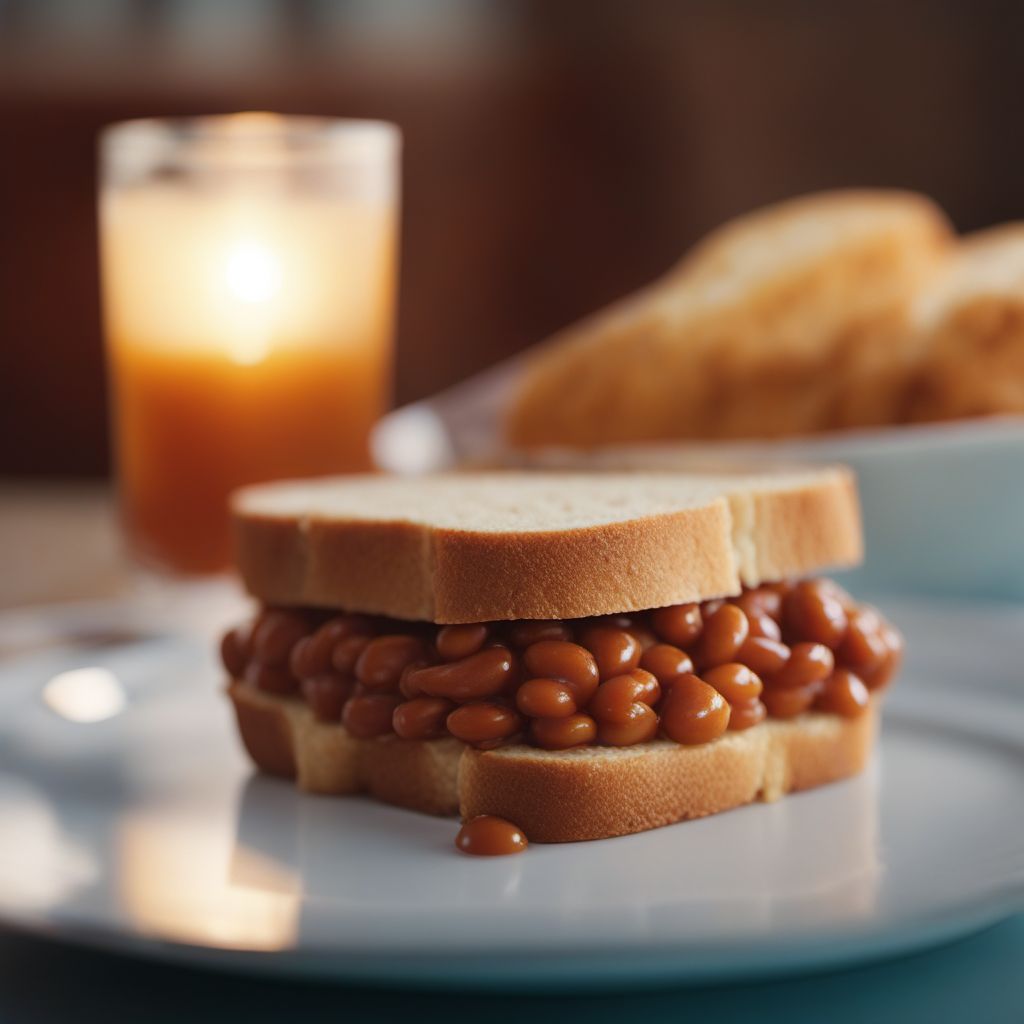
(233, 137)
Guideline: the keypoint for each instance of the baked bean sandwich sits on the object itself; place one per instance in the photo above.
(582, 655)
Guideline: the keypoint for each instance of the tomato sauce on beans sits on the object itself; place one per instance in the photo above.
(686, 673)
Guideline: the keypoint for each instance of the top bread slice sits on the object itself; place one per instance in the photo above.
(476, 547)
(747, 336)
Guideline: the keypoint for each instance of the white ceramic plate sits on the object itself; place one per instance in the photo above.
(145, 831)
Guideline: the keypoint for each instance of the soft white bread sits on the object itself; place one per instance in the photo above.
(283, 738)
(968, 331)
(489, 546)
(556, 796)
(747, 336)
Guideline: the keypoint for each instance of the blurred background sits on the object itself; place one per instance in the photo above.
(557, 154)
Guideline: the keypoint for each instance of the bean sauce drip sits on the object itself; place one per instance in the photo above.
(686, 673)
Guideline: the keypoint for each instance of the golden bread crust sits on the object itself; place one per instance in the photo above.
(731, 530)
(562, 796)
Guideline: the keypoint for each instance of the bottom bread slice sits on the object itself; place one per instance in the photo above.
(556, 796)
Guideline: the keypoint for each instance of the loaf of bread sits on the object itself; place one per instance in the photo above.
(555, 796)
(472, 548)
(756, 333)
(969, 332)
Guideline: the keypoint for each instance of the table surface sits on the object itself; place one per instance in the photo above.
(59, 542)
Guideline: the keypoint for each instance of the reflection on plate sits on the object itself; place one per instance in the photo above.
(142, 828)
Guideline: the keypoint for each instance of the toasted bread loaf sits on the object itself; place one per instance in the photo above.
(969, 330)
(745, 337)
(556, 796)
(477, 547)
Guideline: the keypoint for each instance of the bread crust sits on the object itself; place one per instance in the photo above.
(555, 796)
(445, 576)
(743, 532)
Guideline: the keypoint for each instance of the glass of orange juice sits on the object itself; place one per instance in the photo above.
(249, 266)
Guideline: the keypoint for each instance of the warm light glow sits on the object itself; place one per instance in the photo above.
(252, 272)
(175, 881)
(43, 864)
(246, 276)
(85, 694)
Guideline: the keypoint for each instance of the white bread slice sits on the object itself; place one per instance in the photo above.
(283, 738)
(968, 332)
(556, 796)
(744, 336)
(474, 547)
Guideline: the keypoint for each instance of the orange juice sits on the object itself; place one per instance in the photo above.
(249, 338)
(191, 428)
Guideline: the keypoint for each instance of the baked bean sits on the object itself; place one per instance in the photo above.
(665, 662)
(841, 594)
(346, 653)
(614, 650)
(236, 650)
(305, 661)
(456, 642)
(615, 698)
(546, 698)
(487, 836)
(270, 679)
(326, 695)
(843, 694)
(484, 674)
(693, 712)
(406, 687)
(747, 714)
(639, 726)
(735, 682)
(762, 601)
(811, 611)
(532, 631)
(422, 718)
(808, 663)
(276, 633)
(379, 666)
(679, 624)
(724, 633)
(890, 664)
(765, 657)
(313, 654)
(863, 648)
(643, 636)
(368, 715)
(708, 608)
(563, 733)
(762, 626)
(484, 724)
(557, 659)
(650, 688)
(792, 702)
